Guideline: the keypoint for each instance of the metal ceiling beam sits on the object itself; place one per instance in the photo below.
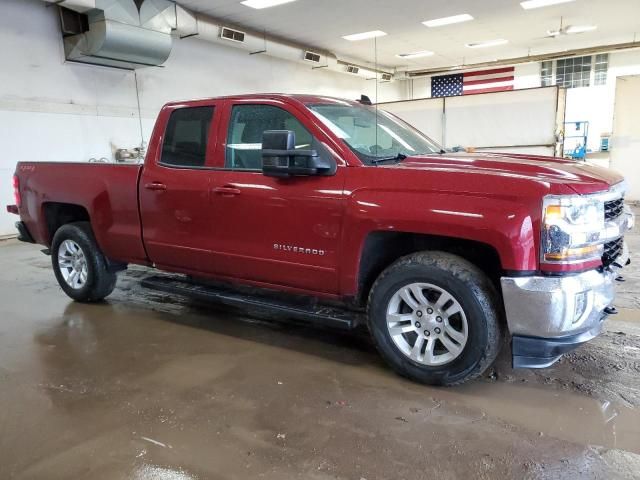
(528, 59)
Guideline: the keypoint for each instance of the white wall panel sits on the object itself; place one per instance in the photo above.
(425, 115)
(549, 151)
(31, 136)
(625, 143)
(592, 104)
(595, 104)
(519, 118)
(515, 118)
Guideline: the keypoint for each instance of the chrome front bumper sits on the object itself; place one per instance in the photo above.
(548, 316)
(557, 306)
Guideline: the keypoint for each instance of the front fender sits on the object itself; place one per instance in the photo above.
(506, 224)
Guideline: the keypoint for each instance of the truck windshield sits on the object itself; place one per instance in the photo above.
(373, 141)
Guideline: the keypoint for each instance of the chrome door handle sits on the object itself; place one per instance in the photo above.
(227, 191)
(155, 186)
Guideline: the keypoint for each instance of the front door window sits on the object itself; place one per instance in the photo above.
(248, 123)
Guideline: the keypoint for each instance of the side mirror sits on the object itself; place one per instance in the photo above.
(281, 158)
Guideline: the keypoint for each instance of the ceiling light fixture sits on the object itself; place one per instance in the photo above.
(529, 4)
(259, 4)
(488, 43)
(422, 53)
(364, 35)
(438, 22)
(581, 28)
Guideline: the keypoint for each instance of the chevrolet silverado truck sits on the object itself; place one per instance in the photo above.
(342, 214)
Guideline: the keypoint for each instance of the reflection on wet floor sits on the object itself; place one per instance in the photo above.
(147, 386)
(560, 414)
(563, 415)
(155, 472)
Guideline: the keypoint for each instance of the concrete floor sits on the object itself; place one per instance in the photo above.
(145, 386)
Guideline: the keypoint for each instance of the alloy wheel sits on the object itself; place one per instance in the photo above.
(427, 324)
(72, 264)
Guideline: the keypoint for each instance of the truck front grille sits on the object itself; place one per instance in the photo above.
(612, 250)
(613, 208)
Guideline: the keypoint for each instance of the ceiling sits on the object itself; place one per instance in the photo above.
(322, 23)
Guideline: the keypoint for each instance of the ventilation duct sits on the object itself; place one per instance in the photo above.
(121, 35)
(204, 27)
(82, 6)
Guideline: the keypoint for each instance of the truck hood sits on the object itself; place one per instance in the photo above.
(582, 177)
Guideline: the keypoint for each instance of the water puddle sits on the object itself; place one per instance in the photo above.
(558, 414)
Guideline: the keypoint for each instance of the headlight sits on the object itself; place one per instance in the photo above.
(572, 229)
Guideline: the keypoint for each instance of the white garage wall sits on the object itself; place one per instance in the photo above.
(518, 121)
(595, 104)
(53, 110)
(626, 132)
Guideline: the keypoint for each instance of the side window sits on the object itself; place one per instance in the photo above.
(244, 139)
(186, 136)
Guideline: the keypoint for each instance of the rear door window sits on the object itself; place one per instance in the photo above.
(186, 137)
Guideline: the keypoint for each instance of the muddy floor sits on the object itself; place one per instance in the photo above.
(146, 386)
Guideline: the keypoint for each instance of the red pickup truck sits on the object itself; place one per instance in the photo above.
(343, 214)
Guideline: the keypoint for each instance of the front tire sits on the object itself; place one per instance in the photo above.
(79, 265)
(434, 318)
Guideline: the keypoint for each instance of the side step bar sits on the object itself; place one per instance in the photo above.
(317, 314)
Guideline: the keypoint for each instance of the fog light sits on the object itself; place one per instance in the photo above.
(581, 301)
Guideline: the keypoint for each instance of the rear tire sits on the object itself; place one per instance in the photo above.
(79, 265)
(434, 318)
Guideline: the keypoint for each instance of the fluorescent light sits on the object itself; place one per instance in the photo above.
(581, 28)
(264, 3)
(423, 53)
(364, 35)
(488, 43)
(438, 22)
(529, 4)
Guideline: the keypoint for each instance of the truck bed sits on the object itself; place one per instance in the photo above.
(108, 192)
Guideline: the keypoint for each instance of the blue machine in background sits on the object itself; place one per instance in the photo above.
(575, 139)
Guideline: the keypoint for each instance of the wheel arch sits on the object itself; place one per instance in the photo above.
(57, 214)
(382, 248)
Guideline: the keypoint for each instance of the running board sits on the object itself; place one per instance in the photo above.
(317, 314)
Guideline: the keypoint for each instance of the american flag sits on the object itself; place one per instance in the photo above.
(481, 81)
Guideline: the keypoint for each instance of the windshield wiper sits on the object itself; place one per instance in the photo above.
(396, 158)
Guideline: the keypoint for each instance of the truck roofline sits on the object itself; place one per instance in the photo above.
(300, 98)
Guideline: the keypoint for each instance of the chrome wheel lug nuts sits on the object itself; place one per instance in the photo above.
(429, 311)
(439, 319)
(418, 325)
(437, 330)
(419, 313)
(427, 333)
